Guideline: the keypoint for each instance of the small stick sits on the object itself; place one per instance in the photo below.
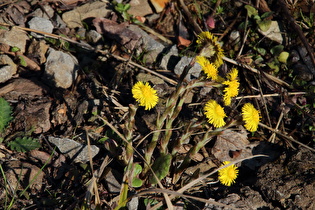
(286, 137)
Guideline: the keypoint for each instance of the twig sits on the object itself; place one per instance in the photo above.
(286, 137)
(270, 95)
(189, 17)
(83, 45)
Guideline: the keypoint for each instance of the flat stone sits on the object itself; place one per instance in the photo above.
(139, 8)
(93, 36)
(170, 59)
(40, 24)
(8, 68)
(75, 17)
(152, 47)
(76, 151)
(194, 72)
(60, 68)
(14, 38)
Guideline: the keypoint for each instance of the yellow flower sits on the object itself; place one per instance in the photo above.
(228, 174)
(211, 47)
(208, 68)
(215, 113)
(251, 116)
(232, 87)
(145, 95)
(233, 74)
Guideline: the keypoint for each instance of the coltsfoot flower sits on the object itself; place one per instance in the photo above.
(232, 87)
(215, 113)
(228, 174)
(251, 116)
(145, 95)
(211, 48)
(208, 68)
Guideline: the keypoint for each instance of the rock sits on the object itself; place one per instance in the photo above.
(170, 59)
(8, 68)
(144, 77)
(14, 38)
(60, 68)
(75, 17)
(32, 115)
(44, 12)
(76, 151)
(93, 36)
(152, 47)
(118, 32)
(40, 24)
(273, 32)
(194, 72)
(139, 8)
(37, 50)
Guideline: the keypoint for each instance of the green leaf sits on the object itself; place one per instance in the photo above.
(266, 15)
(161, 168)
(22, 61)
(15, 49)
(264, 25)
(24, 144)
(5, 114)
(136, 182)
(283, 57)
(251, 11)
(137, 169)
(276, 50)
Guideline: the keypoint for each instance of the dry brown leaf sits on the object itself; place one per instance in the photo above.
(232, 145)
(21, 174)
(43, 157)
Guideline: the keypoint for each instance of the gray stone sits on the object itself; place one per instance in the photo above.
(60, 68)
(93, 36)
(8, 70)
(170, 59)
(76, 151)
(14, 38)
(194, 72)
(40, 24)
(75, 17)
(152, 47)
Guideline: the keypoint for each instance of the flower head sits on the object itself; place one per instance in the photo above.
(145, 95)
(215, 113)
(208, 68)
(232, 86)
(251, 116)
(211, 47)
(228, 174)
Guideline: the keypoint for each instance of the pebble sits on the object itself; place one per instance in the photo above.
(8, 68)
(14, 38)
(152, 47)
(76, 151)
(75, 17)
(60, 68)
(194, 72)
(40, 24)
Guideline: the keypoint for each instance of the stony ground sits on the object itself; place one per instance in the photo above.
(67, 69)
